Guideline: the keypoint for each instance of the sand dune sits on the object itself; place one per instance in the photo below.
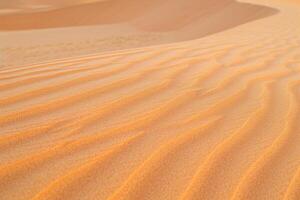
(210, 118)
(61, 30)
(153, 15)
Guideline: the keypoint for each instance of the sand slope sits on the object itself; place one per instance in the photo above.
(45, 30)
(214, 118)
(155, 15)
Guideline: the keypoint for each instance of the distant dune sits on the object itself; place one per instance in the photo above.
(92, 27)
(154, 100)
(155, 15)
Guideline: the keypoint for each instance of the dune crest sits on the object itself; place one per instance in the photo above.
(47, 30)
(155, 15)
(212, 118)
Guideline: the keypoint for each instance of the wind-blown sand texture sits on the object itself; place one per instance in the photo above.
(210, 118)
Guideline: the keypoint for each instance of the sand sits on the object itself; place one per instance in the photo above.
(128, 99)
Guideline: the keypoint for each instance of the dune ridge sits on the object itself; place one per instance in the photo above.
(85, 27)
(212, 118)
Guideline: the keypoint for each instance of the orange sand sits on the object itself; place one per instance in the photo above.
(86, 115)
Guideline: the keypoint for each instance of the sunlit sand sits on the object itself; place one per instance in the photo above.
(137, 99)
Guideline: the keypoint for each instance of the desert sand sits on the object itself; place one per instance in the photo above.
(137, 99)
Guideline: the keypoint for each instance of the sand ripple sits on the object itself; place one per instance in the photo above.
(215, 118)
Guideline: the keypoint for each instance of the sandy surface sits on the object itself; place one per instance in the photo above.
(211, 111)
(32, 34)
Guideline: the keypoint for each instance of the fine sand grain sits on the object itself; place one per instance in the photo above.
(215, 116)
